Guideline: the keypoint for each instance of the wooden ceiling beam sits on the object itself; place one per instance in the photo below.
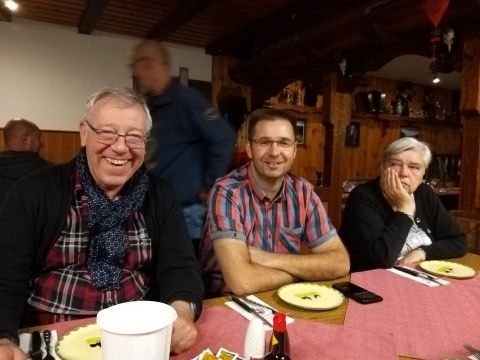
(5, 14)
(271, 27)
(306, 20)
(180, 15)
(92, 13)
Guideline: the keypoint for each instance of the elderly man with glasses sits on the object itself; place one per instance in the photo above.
(95, 232)
(259, 216)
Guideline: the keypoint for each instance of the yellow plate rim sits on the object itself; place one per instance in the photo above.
(68, 333)
(453, 276)
(282, 289)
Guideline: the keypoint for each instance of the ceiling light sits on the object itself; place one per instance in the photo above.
(10, 4)
(436, 80)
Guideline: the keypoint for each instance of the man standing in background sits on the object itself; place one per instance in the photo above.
(20, 157)
(191, 144)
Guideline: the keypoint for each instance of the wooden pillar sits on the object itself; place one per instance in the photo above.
(337, 114)
(470, 112)
(220, 78)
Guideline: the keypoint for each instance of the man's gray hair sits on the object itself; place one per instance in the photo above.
(124, 96)
(409, 143)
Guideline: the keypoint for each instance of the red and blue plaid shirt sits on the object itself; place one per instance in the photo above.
(240, 209)
(64, 290)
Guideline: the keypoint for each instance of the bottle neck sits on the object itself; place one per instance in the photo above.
(279, 342)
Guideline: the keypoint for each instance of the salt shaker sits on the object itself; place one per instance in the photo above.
(254, 346)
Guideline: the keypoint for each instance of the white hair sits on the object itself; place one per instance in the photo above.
(409, 143)
(124, 96)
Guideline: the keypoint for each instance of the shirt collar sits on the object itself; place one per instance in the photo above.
(258, 191)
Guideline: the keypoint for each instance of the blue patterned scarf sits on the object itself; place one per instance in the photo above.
(106, 223)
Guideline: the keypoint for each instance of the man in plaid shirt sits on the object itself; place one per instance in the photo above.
(259, 215)
(97, 231)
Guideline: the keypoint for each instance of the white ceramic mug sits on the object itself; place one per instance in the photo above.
(136, 330)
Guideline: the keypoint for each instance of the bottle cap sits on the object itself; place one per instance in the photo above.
(279, 322)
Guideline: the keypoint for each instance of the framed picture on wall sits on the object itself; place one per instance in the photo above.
(300, 131)
(352, 135)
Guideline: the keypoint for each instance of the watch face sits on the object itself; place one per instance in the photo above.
(194, 308)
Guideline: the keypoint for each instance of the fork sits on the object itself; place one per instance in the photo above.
(475, 352)
(47, 337)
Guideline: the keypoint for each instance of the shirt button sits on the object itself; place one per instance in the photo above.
(418, 220)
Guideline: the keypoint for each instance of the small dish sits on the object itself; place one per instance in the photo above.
(448, 269)
(311, 296)
(80, 343)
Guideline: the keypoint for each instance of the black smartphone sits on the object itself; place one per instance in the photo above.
(357, 293)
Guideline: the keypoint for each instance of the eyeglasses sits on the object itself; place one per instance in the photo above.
(265, 143)
(109, 137)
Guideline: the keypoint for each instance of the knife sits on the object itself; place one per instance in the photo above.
(244, 306)
(247, 300)
(36, 351)
(417, 274)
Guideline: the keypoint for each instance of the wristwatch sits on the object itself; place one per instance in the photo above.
(195, 308)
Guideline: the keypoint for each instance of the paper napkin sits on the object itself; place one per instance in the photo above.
(266, 314)
(420, 279)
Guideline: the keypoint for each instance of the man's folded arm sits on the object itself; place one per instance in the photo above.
(328, 260)
(242, 276)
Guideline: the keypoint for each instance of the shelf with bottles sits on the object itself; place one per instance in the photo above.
(296, 108)
(406, 119)
(297, 97)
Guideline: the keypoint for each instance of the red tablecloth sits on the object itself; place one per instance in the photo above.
(222, 327)
(426, 322)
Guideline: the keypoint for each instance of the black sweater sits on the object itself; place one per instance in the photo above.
(374, 233)
(34, 213)
(14, 165)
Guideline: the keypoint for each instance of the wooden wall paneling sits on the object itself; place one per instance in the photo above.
(309, 157)
(442, 139)
(316, 144)
(336, 116)
(52, 146)
(375, 135)
(57, 146)
(363, 162)
(470, 110)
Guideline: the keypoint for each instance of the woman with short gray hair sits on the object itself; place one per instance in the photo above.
(396, 218)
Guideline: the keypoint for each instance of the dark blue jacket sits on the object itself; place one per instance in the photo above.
(191, 144)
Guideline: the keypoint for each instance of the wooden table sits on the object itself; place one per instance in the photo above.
(336, 316)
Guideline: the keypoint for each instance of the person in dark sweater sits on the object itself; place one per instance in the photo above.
(191, 144)
(20, 157)
(396, 218)
(95, 232)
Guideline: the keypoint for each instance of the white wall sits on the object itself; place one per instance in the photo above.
(48, 71)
